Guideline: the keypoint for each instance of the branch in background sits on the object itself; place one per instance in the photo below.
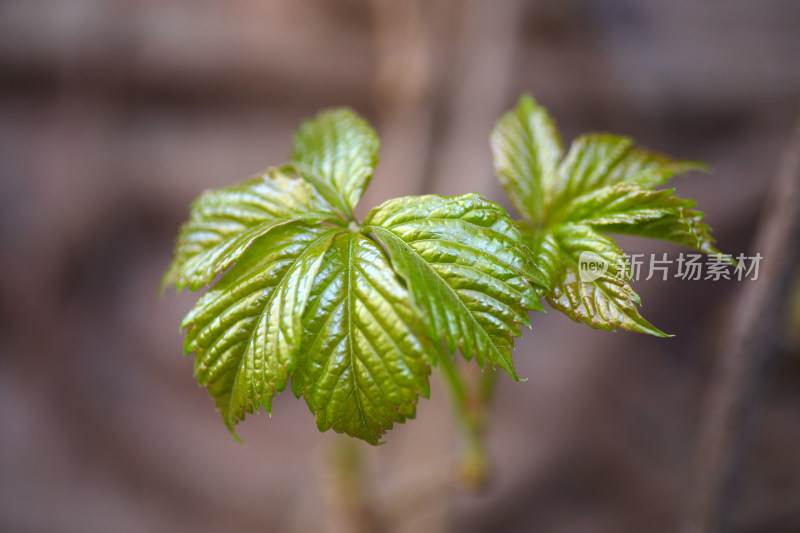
(755, 337)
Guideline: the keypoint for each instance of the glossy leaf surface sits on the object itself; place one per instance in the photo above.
(462, 262)
(223, 223)
(353, 315)
(603, 184)
(364, 356)
(337, 151)
(261, 299)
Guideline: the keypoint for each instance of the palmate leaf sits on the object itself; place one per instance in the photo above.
(354, 316)
(568, 202)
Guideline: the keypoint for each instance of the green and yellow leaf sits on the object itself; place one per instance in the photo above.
(337, 151)
(224, 223)
(461, 259)
(353, 316)
(365, 356)
(604, 184)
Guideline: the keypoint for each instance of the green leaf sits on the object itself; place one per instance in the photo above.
(365, 357)
(547, 260)
(337, 151)
(224, 223)
(527, 148)
(603, 184)
(686, 229)
(246, 329)
(321, 304)
(605, 302)
(353, 316)
(621, 204)
(599, 160)
(461, 260)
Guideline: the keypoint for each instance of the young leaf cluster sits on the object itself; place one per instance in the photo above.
(571, 200)
(352, 314)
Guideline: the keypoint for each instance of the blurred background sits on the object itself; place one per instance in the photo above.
(115, 114)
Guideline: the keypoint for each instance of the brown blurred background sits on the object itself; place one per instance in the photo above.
(115, 114)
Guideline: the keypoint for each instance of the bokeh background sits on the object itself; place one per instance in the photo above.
(115, 114)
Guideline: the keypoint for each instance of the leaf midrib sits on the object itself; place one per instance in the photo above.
(353, 356)
(264, 310)
(472, 319)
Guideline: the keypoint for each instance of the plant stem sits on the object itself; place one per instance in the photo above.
(346, 489)
(470, 405)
